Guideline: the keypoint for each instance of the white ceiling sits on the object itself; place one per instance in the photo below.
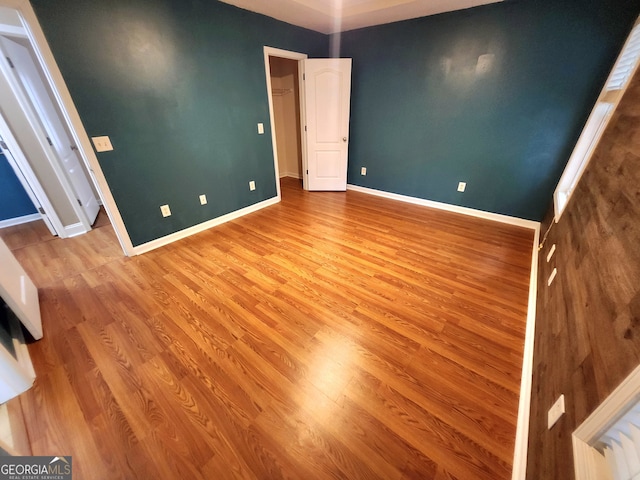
(331, 16)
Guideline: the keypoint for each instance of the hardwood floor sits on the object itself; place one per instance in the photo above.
(334, 335)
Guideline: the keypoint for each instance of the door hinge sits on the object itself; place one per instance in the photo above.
(304, 76)
(50, 142)
(305, 128)
(10, 62)
(79, 202)
(3, 145)
(307, 172)
(41, 210)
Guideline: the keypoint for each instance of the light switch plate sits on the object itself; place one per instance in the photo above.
(166, 211)
(555, 412)
(203, 199)
(252, 185)
(363, 171)
(462, 186)
(261, 128)
(102, 144)
(551, 252)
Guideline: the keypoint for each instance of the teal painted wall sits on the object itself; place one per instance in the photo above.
(14, 201)
(179, 86)
(422, 119)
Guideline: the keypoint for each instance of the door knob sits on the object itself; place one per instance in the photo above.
(344, 139)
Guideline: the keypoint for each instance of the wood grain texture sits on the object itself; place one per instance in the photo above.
(588, 321)
(334, 335)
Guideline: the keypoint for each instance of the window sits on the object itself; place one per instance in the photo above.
(605, 105)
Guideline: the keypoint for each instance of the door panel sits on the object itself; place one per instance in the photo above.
(327, 99)
(329, 164)
(62, 143)
(19, 292)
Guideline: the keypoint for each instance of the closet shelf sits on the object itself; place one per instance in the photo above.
(278, 92)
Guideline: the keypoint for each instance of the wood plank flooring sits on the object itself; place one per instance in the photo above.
(334, 335)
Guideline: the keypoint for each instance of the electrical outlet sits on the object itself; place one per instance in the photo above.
(166, 211)
(462, 186)
(252, 185)
(363, 171)
(102, 144)
(203, 199)
(555, 412)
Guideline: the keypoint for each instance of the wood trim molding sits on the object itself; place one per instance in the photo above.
(166, 240)
(496, 217)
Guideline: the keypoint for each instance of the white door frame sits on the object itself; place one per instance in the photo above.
(28, 179)
(33, 32)
(83, 225)
(586, 459)
(26, 79)
(277, 52)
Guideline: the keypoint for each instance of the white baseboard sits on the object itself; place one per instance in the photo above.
(74, 230)
(166, 240)
(519, 471)
(496, 217)
(291, 174)
(10, 222)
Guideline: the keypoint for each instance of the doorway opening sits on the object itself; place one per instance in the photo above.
(323, 109)
(285, 92)
(284, 89)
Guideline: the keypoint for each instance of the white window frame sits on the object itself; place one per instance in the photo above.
(610, 96)
(589, 463)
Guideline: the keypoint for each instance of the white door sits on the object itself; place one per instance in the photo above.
(62, 143)
(327, 84)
